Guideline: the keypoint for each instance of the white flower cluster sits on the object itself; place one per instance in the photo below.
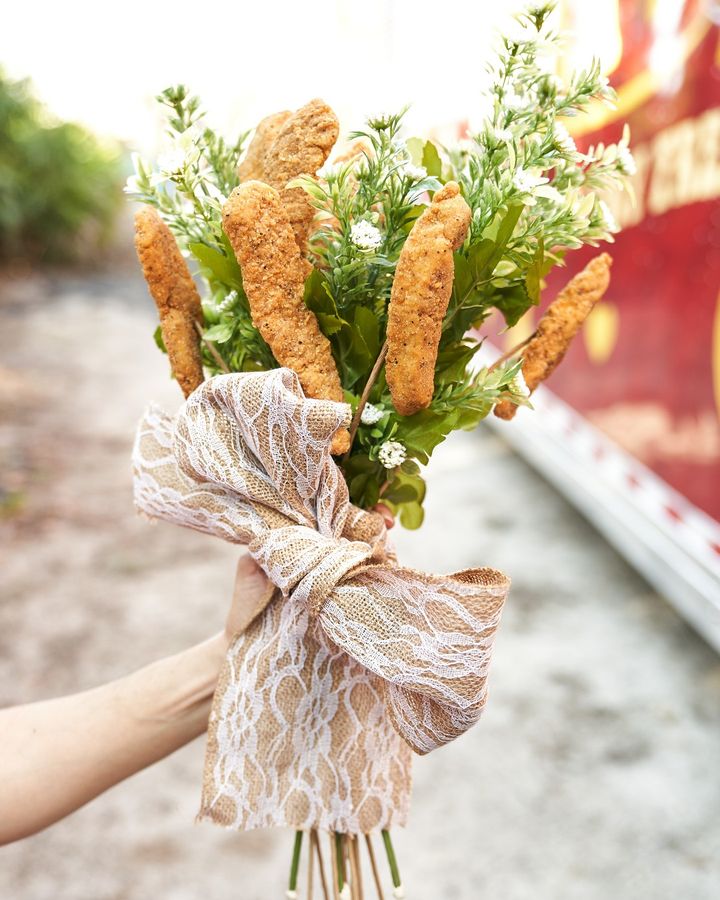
(392, 454)
(365, 236)
(371, 415)
(625, 160)
(609, 220)
(563, 139)
(416, 173)
(525, 181)
(519, 385)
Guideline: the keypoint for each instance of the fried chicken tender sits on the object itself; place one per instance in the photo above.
(559, 325)
(253, 166)
(301, 147)
(274, 273)
(419, 299)
(175, 295)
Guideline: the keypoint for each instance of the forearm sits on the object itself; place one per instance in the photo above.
(57, 755)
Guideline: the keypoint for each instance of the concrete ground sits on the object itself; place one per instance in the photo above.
(594, 774)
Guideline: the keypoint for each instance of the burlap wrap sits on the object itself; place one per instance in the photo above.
(354, 659)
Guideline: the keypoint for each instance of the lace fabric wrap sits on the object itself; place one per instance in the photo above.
(354, 660)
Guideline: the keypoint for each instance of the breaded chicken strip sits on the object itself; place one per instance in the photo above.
(559, 325)
(419, 299)
(253, 166)
(274, 273)
(175, 295)
(303, 144)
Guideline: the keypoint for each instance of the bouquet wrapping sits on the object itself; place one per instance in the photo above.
(355, 659)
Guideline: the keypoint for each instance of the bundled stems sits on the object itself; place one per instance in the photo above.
(346, 867)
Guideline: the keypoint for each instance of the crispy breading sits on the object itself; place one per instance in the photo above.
(302, 145)
(253, 165)
(175, 295)
(559, 325)
(419, 299)
(274, 273)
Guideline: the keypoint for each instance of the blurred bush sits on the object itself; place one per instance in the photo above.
(60, 185)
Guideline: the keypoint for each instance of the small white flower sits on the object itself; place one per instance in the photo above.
(513, 100)
(371, 414)
(625, 161)
(399, 892)
(227, 303)
(132, 185)
(518, 385)
(608, 218)
(501, 135)
(563, 139)
(392, 454)
(345, 892)
(365, 236)
(172, 162)
(181, 154)
(525, 181)
(416, 173)
(291, 895)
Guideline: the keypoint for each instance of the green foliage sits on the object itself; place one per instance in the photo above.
(58, 182)
(532, 198)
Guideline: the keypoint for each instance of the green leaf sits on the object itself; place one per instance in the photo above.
(158, 338)
(218, 266)
(513, 302)
(368, 325)
(534, 276)
(411, 515)
(220, 333)
(431, 160)
(415, 149)
(452, 362)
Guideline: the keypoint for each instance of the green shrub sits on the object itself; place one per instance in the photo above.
(59, 184)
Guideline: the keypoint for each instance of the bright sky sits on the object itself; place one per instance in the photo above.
(103, 63)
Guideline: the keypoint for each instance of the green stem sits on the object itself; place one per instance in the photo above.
(392, 861)
(295, 864)
(340, 860)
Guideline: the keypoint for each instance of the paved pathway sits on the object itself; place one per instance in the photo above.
(594, 774)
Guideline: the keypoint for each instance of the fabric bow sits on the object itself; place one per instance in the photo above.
(248, 459)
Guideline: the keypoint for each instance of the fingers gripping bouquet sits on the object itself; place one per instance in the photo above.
(332, 351)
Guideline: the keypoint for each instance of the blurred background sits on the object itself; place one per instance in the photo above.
(595, 772)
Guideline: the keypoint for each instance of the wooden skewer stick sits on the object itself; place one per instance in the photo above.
(310, 868)
(511, 352)
(365, 394)
(333, 864)
(315, 840)
(213, 351)
(373, 866)
(355, 869)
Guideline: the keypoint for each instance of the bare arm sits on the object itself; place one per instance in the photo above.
(57, 755)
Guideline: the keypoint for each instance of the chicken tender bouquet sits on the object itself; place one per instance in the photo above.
(344, 280)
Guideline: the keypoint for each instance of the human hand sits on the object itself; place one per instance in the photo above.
(251, 594)
(386, 513)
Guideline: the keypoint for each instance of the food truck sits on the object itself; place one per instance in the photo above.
(628, 427)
